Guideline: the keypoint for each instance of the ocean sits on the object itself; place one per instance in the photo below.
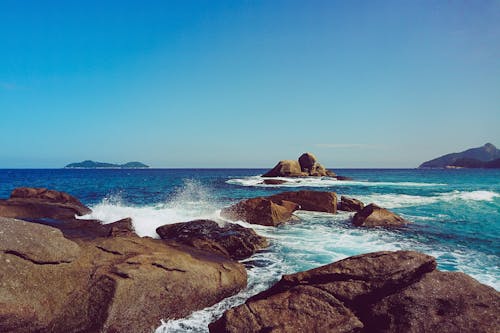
(455, 216)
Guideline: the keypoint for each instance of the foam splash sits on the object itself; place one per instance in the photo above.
(257, 181)
(189, 202)
(403, 200)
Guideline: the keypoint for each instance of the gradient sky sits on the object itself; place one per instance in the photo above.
(246, 83)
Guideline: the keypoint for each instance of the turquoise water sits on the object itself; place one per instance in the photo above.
(455, 216)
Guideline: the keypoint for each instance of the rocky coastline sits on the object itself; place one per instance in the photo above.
(65, 274)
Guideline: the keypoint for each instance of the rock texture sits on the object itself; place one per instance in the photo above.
(375, 216)
(114, 284)
(377, 292)
(33, 203)
(230, 240)
(261, 211)
(306, 166)
(310, 200)
(348, 204)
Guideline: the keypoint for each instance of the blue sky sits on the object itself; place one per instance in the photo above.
(247, 83)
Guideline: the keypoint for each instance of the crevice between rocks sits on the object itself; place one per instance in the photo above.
(34, 261)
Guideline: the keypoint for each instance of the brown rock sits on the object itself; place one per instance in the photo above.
(230, 240)
(307, 161)
(33, 203)
(273, 181)
(375, 216)
(123, 228)
(118, 284)
(310, 200)
(342, 177)
(299, 309)
(377, 292)
(439, 302)
(261, 211)
(348, 204)
(286, 168)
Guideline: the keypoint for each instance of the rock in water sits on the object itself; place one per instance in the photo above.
(35, 203)
(230, 240)
(261, 211)
(117, 284)
(375, 216)
(350, 204)
(377, 292)
(306, 166)
(315, 201)
(286, 168)
(273, 181)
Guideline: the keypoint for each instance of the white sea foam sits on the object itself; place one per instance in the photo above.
(320, 182)
(191, 201)
(392, 200)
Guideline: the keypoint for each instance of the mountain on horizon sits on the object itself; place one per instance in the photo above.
(88, 164)
(474, 158)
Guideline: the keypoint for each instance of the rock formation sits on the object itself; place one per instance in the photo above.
(377, 292)
(261, 211)
(231, 240)
(278, 208)
(375, 216)
(348, 204)
(315, 201)
(32, 203)
(306, 166)
(114, 284)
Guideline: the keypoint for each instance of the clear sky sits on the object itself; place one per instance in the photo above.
(246, 83)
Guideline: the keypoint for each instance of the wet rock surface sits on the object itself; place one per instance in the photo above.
(377, 292)
(230, 240)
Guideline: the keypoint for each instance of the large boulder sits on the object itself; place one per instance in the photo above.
(286, 168)
(306, 166)
(375, 216)
(114, 284)
(230, 240)
(310, 200)
(261, 211)
(348, 204)
(377, 292)
(33, 203)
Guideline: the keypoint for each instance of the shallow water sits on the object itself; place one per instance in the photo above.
(455, 216)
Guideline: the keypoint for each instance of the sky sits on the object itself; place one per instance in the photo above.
(246, 83)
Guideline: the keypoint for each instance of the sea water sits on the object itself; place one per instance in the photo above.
(455, 216)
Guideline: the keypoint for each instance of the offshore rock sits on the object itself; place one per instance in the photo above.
(274, 181)
(33, 203)
(230, 240)
(310, 200)
(306, 166)
(261, 211)
(375, 216)
(286, 168)
(348, 204)
(114, 284)
(377, 292)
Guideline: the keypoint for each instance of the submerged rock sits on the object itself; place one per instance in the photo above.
(261, 211)
(306, 166)
(230, 240)
(377, 292)
(273, 181)
(33, 203)
(310, 200)
(375, 216)
(348, 204)
(114, 284)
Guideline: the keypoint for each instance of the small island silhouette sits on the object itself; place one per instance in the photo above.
(88, 164)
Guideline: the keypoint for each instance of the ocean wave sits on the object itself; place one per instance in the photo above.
(321, 182)
(191, 201)
(392, 200)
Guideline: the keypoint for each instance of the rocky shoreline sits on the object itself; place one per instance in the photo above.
(63, 274)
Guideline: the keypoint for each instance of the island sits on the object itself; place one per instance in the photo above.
(102, 165)
(487, 157)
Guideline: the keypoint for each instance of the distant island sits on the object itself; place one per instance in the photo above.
(101, 165)
(487, 156)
